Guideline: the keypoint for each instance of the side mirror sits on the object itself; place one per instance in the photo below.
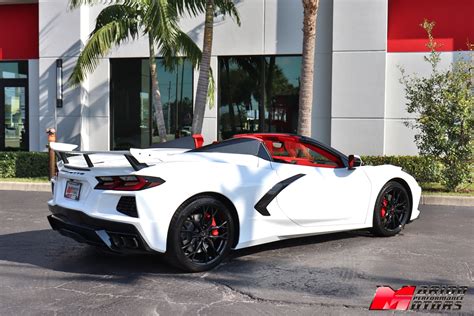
(354, 161)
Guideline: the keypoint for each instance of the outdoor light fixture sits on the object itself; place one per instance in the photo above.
(59, 83)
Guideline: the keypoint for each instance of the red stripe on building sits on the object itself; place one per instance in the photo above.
(19, 35)
(454, 24)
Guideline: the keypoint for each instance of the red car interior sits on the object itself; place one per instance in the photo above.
(291, 149)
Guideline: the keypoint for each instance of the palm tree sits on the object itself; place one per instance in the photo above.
(307, 66)
(128, 20)
(205, 81)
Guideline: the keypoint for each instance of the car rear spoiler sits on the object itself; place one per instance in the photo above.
(64, 150)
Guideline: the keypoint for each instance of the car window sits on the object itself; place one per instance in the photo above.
(290, 151)
(320, 159)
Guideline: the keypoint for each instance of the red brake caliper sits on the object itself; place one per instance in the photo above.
(383, 210)
(214, 232)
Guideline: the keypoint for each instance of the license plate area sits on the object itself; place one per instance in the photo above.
(73, 190)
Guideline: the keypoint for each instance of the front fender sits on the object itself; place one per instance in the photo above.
(380, 175)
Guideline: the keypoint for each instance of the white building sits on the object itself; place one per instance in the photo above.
(358, 100)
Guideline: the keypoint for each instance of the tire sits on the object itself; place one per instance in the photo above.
(201, 234)
(392, 209)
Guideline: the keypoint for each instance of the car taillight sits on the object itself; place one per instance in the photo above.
(127, 183)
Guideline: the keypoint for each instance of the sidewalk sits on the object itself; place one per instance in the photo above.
(425, 199)
(25, 186)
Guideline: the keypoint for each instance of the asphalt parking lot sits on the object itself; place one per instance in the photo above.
(43, 273)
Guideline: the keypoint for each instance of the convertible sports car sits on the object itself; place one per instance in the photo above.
(195, 203)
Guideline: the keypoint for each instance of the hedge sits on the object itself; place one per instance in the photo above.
(35, 164)
(23, 164)
(422, 168)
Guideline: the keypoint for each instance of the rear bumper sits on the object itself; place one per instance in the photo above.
(114, 236)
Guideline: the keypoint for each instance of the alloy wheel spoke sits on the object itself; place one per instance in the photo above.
(193, 254)
(213, 248)
(220, 226)
(192, 242)
(204, 249)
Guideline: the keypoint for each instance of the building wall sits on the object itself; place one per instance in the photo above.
(407, 48)
(19, 31)
(268, 27)
(359, 104)
(358, 76)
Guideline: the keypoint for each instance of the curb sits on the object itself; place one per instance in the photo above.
(447, 200)
(25, 186)
(425, 199)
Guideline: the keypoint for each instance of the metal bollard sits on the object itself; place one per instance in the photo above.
(52, 158)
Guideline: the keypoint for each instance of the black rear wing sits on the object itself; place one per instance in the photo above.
(64, 151)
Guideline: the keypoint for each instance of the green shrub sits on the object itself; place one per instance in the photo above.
(422, 168)
(444, 104)
(23, 164)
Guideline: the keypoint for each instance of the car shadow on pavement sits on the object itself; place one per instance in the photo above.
(301, 241)
(49, 250)
(271, 267)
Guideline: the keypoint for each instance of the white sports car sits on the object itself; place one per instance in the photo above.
(195, 203)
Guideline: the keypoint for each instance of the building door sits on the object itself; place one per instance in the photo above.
(13, 114)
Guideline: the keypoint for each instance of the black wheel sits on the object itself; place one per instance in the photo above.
(201, 234)
(392, 209)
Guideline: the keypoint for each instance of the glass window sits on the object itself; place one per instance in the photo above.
(258, 94)
(14, 70)
(288, 149)
(131, 106)
(14, 105)
(176, 88)
(15, 117)
(128, 101)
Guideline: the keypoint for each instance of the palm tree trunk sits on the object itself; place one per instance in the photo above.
(203, 81)
(159, 118)
(307, 67)
(269, 91)
(230, 99)
(262, 102)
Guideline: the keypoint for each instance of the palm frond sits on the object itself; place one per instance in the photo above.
(161, 21)
(195, 7)
(114, 25)
(129, 14)
(228, 7)
(182, 45)
(188, 47)
(162, 25)
(192, 7)
(73, 4)
(168, 55)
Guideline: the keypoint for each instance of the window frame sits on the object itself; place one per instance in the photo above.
(16, 82)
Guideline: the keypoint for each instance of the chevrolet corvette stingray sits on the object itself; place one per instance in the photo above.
(195, 203)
